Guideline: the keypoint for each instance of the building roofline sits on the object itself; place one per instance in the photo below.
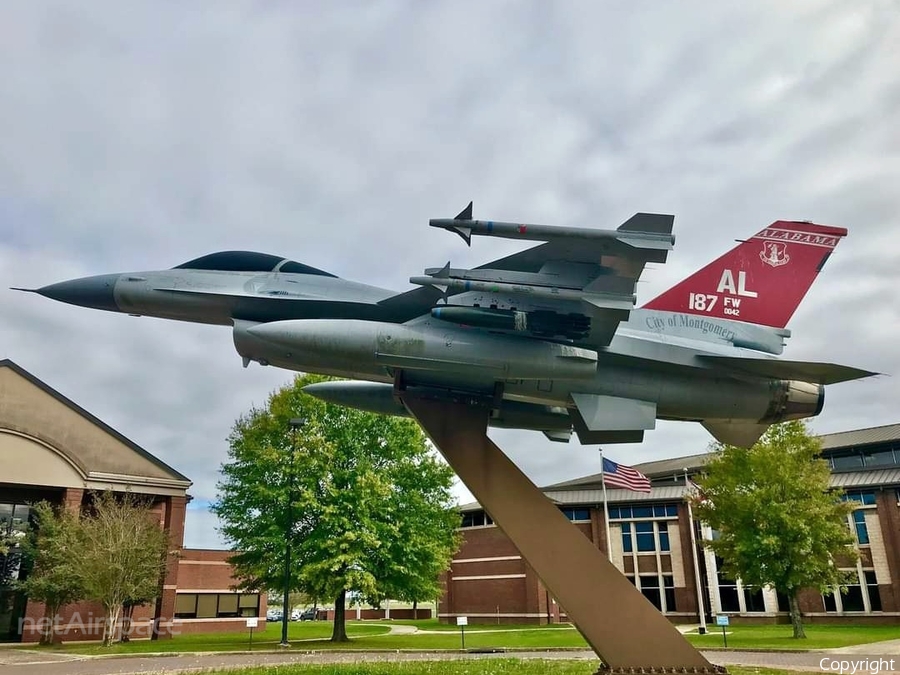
(831, 442)
(46, 388)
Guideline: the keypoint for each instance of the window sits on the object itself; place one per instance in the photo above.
(862, 532)
(872, 588)
(577, 514)
(860, 591)
(784, 604)
(643, 537)
(753, 599)
(854, 461)
(728, 590)
(642, 511)
(216, 605)
(663, 537)
(476, 519)
(880, 458)
(649, 585)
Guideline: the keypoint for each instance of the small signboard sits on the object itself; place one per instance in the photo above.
(462, 621)
(721, 620)
(252, 622)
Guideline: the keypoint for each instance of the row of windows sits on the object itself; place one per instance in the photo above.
(856, 460)
(645, 511)
(581, 514)
(216, 605)
(853, 599)
(865, 498)
(641, 536)
(862, 591)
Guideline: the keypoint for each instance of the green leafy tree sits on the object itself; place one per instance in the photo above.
(125, 555)
(779, 523)
(364, 504)
(55, 548)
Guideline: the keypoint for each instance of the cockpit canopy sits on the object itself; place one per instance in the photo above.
(248, 261)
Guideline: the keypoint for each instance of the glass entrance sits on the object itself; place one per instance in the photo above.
(14, 519)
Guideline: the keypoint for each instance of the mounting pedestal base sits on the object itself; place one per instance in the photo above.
(625, 630)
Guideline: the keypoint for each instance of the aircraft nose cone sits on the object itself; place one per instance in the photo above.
(95, 292)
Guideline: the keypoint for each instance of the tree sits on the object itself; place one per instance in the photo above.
(55, 548)
(370, 505)
(779, 523)
(124, 557)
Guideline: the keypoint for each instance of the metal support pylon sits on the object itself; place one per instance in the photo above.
(624, 628)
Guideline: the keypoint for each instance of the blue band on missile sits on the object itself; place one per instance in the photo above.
(468, 285)
(490, 226)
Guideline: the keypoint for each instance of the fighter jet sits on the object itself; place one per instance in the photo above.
(549, 338)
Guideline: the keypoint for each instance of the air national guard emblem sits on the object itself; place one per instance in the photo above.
(774, 254)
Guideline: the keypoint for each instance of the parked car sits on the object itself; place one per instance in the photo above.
(308, 614)
(273, 615)
(295, 615)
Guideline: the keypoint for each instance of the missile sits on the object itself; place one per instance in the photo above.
(372, 346)
(620, 301)
(643, 230)
(378, 397)
(540, 322)
(492, 319)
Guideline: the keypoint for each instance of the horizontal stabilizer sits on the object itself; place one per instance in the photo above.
(656, 223)
(742, 434)
(807, 371)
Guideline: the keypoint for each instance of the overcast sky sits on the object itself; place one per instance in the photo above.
(138, 135)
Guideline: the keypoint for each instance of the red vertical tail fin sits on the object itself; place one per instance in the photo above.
(762, 280)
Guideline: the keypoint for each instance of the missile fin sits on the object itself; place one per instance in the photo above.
(465, 214)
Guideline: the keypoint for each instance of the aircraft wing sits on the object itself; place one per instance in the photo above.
(593, 272)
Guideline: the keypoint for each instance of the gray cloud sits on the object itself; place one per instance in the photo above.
(140, 138)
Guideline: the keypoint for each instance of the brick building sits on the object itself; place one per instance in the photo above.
(650, 535)
(52, 449)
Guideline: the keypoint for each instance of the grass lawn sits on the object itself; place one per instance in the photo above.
(484, 667)
(374, 636)
(316, 631)
(779, 637)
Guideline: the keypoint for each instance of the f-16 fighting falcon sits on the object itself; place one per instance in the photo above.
(550, 337)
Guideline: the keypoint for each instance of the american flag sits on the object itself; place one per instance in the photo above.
(697, 490)
(619, 475)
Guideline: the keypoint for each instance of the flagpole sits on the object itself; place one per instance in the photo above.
(701, 607)
(605, 508)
